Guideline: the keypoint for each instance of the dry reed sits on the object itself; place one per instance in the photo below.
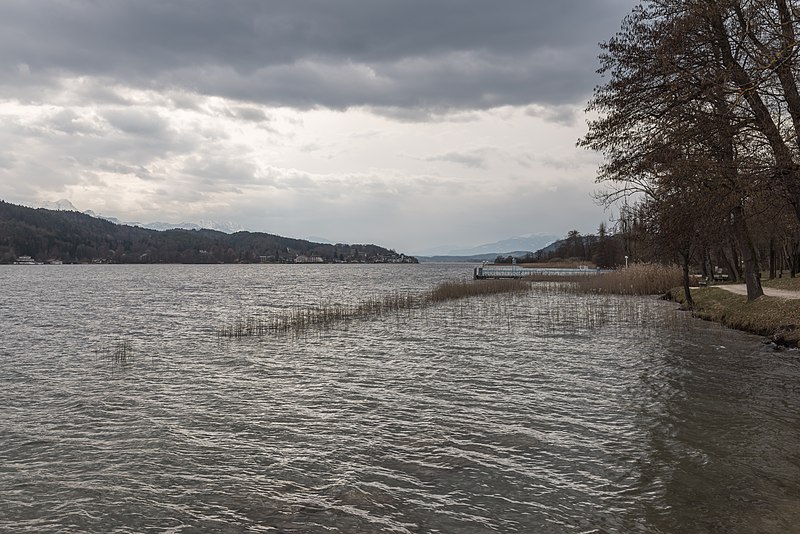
(458, 290)
(120, 351)
(639, 279)
(299, 319)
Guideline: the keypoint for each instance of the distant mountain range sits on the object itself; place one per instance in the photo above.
(513, 246)
(66, 205)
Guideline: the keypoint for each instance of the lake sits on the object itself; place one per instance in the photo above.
(535, 412)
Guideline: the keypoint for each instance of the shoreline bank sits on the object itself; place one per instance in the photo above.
(775, 318)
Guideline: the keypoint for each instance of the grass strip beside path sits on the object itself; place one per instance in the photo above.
(791, 284)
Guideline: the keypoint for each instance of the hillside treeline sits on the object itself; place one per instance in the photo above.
(605, 250)
(74, 237)
(632, 239)
(699, 125)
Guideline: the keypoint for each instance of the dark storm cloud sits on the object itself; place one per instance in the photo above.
(419, 54)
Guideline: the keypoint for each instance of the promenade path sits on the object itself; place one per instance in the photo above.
(741, 289)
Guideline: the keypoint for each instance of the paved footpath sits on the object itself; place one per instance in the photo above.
(741, 289)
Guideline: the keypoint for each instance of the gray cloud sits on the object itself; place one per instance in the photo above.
(563, 115)
(417, 54)
(577, 160)
(69, 122)
(7, 161)
(139, 122)
(117, 167)
(216, 172)
(249, 113)
(474, 159)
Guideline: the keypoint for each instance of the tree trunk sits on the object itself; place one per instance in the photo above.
(704, 271)
(793, 253)
(772, 257)
(731, 262)
(785, 65)
(787, 171)
(752, 272)
(687, 292)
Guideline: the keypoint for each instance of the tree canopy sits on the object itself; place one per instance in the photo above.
(699, 124)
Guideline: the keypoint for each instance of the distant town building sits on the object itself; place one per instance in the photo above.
(25, 260)
(308, 259)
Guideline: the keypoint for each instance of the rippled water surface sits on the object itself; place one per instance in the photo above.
(121, 410)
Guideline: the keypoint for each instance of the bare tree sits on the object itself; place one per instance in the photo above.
(675, 127)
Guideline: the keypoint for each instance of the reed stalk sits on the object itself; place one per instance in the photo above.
(120, 351)
(297, 319)
(457, 290)
(639, 279)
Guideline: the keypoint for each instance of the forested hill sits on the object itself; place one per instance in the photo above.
(74, 237)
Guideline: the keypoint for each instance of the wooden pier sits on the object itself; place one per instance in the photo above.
(513, 271)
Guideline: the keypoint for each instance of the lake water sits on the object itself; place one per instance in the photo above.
(541, 412)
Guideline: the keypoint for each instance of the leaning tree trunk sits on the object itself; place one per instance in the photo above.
(731, 261)
(787, 174)
(752, 272)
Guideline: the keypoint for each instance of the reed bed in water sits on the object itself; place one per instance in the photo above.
(301, 318)
(555, 310)
(298, 319)
(458, 290)
(120, 351)
(639, 279)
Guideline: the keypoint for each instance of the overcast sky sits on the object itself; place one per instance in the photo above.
(405, 123)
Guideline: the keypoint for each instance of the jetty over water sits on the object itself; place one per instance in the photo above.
(514, 271)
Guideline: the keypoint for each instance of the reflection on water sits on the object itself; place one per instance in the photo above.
(724, 431)
(544, 412)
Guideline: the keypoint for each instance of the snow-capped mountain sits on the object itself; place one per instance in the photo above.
(66, 205)
(526, 242)
(58, 205)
